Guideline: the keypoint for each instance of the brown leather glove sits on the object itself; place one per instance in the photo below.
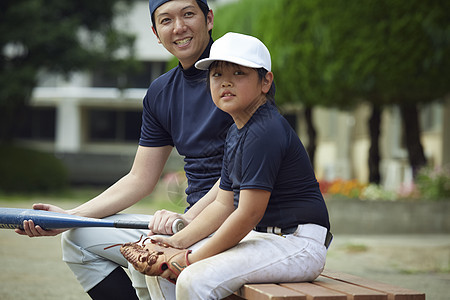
(156, 259)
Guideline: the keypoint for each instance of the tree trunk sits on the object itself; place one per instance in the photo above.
(374, 150)
(411, 129)
(312, 134)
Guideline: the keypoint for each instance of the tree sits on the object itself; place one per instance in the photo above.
(299, 42)
(339, 53)
(391, 53)
(55, 36)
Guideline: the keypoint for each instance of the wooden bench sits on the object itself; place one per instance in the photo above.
(328, 286)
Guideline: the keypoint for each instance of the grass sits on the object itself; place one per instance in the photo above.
(69, 198)
(356, 248)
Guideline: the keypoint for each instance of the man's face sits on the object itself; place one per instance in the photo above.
(182, 30)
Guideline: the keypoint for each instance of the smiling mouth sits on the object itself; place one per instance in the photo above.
(183, 42)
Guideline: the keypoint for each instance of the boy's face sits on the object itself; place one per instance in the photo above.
(238, 90)
(182, 30)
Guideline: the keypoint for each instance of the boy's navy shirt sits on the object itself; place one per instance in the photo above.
(178, 111)
(267, 154)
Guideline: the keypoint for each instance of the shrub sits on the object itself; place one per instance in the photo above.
(376, 192)
(25, 170)
(434, 184)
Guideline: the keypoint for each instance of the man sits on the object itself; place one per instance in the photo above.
(178, 112)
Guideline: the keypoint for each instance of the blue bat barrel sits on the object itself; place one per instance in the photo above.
(11, 218)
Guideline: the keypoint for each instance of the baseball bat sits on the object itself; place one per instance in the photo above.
(11, 218)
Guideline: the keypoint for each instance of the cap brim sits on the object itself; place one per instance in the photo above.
(205, 63)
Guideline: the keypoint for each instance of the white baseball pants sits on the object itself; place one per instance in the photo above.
(258, 258)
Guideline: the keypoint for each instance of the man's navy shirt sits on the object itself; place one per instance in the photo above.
(267, 154)
(179, 111)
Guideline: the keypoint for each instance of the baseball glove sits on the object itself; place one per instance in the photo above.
(155, 258)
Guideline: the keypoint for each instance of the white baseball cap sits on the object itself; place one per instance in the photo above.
(240, 49)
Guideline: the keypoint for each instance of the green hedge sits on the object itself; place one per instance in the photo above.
(24, 170)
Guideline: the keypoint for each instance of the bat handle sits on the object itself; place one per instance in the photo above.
(131, 224)
(177, 225)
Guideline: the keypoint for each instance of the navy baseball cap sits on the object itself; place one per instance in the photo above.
(154, 4)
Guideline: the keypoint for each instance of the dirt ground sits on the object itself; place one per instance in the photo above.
(33, 269)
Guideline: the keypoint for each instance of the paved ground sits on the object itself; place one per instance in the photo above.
(32, 268)
(419, 262)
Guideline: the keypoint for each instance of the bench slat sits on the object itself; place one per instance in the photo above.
(315, 292)
(329, 285)
(269, 292)
(353, 292)
(394, 292)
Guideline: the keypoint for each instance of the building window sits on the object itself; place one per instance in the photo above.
(141, 78)
(38, 124)
(114, 125)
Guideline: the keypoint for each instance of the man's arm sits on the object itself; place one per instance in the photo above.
(162, 220)
(148, 165)
(138, 183)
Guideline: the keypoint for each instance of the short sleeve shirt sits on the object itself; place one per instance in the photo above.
(267, 154)
(178, 111)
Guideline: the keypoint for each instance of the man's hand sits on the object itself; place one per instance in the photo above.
(162, 221)
(32, 230)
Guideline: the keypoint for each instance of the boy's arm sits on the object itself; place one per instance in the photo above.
(231, 225)
(207, 222)
(252, 205)
(209, 197)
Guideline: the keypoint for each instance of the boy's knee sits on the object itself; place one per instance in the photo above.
(191, 284)
(184, 282)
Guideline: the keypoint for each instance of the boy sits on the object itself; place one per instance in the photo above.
(269, 220)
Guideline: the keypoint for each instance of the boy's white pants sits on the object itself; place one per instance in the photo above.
(258, 258)
(83, 251)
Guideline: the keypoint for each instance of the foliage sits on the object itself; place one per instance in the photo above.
(299, 41)
(389, 51)
(235, 17)
(434, 183)
(58, 36)
(23, 170)
(337, 53)
(376, 192)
